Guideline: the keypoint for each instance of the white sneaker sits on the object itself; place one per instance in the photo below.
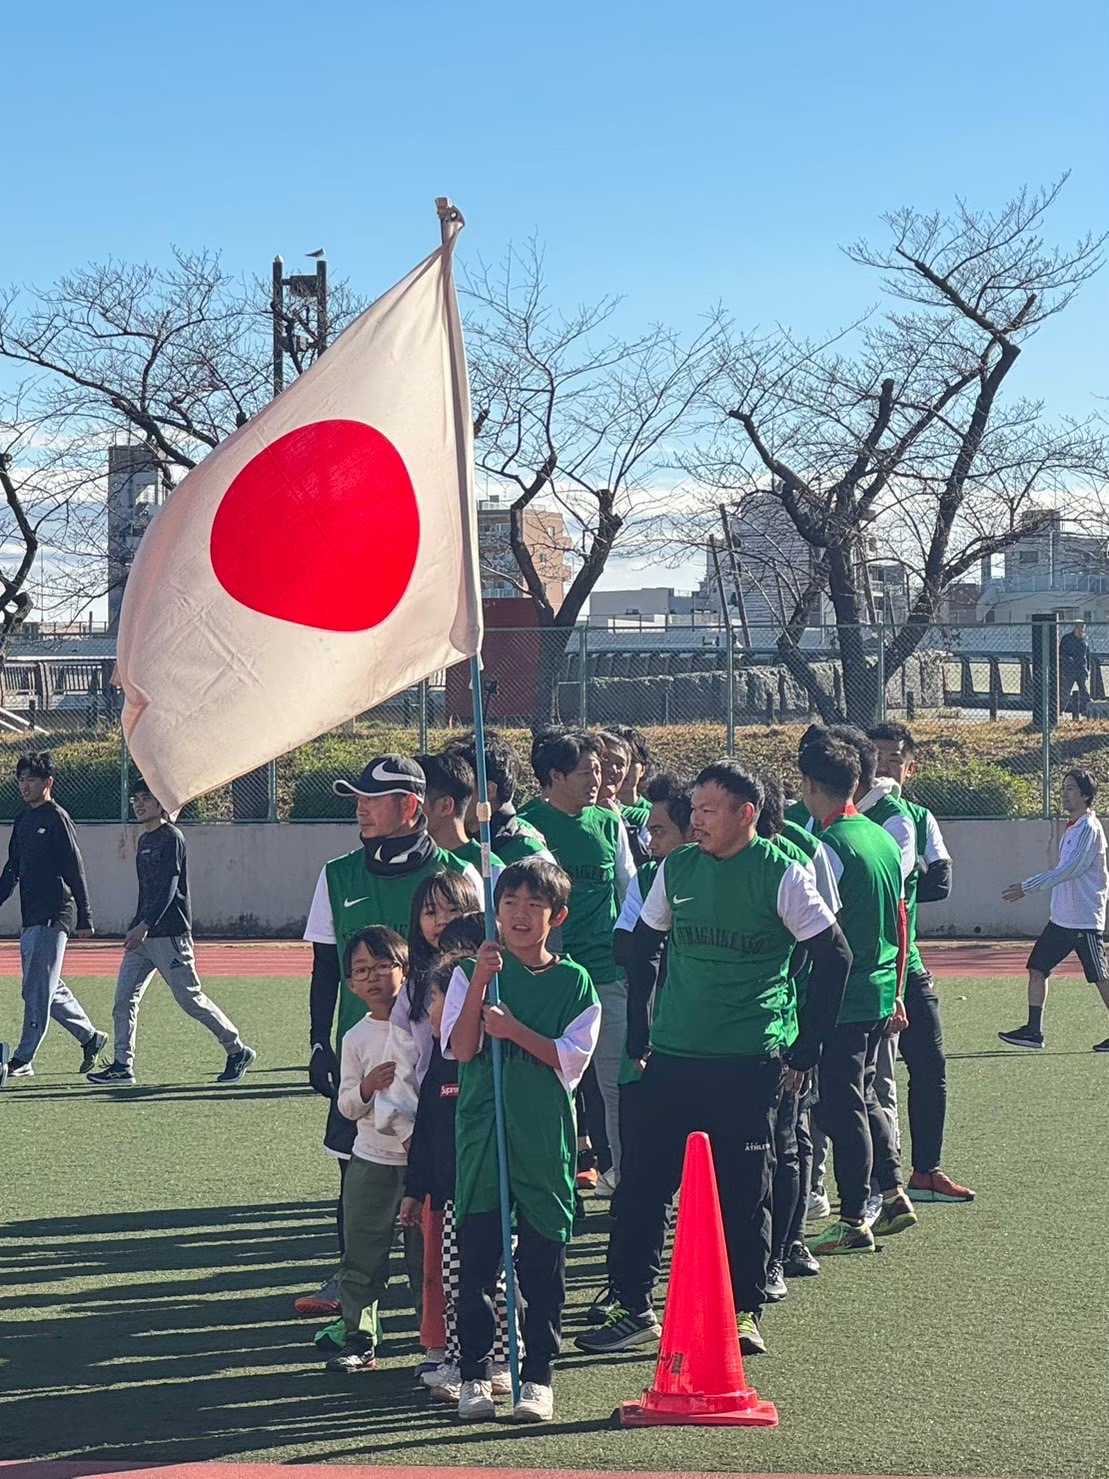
(443, 1376)
(871, 1210)
(475, 1402)
(605, 1187)
(819, 1206)
(500, 1379)
(536, 1404)
(450, 1391)
(24, 1070)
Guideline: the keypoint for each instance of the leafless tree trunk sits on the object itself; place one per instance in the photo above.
(571, 416)
(910, 427)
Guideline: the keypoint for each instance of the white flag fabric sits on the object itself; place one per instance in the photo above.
(320, 560)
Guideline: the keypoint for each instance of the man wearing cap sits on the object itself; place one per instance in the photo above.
(373, 885)
(1074, 669)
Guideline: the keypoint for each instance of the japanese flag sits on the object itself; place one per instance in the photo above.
(318, 561)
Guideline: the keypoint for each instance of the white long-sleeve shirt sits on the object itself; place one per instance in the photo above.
(1080, 882)
(364, 1047)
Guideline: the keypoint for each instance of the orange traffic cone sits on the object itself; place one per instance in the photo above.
(699, 1377)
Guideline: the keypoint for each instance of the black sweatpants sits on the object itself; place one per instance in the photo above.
(541, 1276)
(922, 1050)
(792, 1172)
(733, 1100)
(591, 1117)
(849, 1114)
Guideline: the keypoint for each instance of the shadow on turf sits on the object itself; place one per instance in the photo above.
(191, 1093)
(179, 1343)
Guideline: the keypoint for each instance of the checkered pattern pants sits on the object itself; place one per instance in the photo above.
(452, 1271)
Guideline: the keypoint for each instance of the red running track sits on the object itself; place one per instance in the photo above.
(294, 958)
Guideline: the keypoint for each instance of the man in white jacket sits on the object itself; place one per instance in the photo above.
(1078, 892)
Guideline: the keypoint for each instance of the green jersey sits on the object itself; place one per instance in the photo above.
(793, 852)
(798, 813)
(638, 814)
(808, 842)
(470, 852)
(539, 1109)
(732, 925)
(586, 847)
(870, 887)
(525, 842)
(359, 899)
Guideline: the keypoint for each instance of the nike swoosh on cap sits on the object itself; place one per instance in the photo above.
(381, 773)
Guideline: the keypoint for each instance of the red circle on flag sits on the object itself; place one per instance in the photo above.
(321, 528)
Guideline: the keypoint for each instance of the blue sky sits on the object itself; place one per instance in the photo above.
(677, 154)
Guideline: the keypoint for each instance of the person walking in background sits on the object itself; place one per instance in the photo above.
(1074, 669)
(1079, 886)
(45, 861)
(160, 939)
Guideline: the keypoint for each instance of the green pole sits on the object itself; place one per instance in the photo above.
(1045, 715)
(729, 638)
(881, 671)
(583, 683)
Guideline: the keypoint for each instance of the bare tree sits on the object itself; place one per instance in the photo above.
(176, 356)
(52, 505)
(570, 415)
(901, 420)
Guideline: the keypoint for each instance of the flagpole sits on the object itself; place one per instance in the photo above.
(450, 218)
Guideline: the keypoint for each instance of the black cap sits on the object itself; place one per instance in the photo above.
(387, 775)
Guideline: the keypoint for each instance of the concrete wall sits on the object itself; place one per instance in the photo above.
(257, 880)
(248, 879)
(987, 857)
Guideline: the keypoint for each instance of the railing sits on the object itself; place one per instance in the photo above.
(985, 703)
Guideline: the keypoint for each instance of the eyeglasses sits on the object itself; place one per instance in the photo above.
(372, 972)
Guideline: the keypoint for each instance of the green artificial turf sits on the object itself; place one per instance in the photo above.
(156, 1238)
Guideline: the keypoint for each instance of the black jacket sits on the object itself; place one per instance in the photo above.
(431, 1163)
(44, 859)
(1074, 654)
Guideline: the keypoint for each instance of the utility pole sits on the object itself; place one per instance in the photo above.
(254, 796)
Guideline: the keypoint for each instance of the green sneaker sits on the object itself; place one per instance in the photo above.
(751, 1342)
(842, 1237)
(896, 1215)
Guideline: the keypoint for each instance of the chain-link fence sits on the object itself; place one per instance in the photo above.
(998, 712)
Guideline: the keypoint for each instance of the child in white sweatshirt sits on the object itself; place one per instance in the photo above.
(375, 965)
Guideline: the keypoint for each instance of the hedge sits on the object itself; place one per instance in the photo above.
(966, 769)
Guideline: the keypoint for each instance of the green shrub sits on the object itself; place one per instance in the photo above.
(973, 790)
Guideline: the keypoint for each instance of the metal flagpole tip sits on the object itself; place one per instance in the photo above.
(447, 211)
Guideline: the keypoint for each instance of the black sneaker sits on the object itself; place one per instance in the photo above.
(237, 1065)
(115, 1073)
(1022, 1037)
(604, 1302)
(775, 1282)
(621, 1332)
(92, 1050)
(355, 1356)
(1102, 1047)
(800, 1263)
